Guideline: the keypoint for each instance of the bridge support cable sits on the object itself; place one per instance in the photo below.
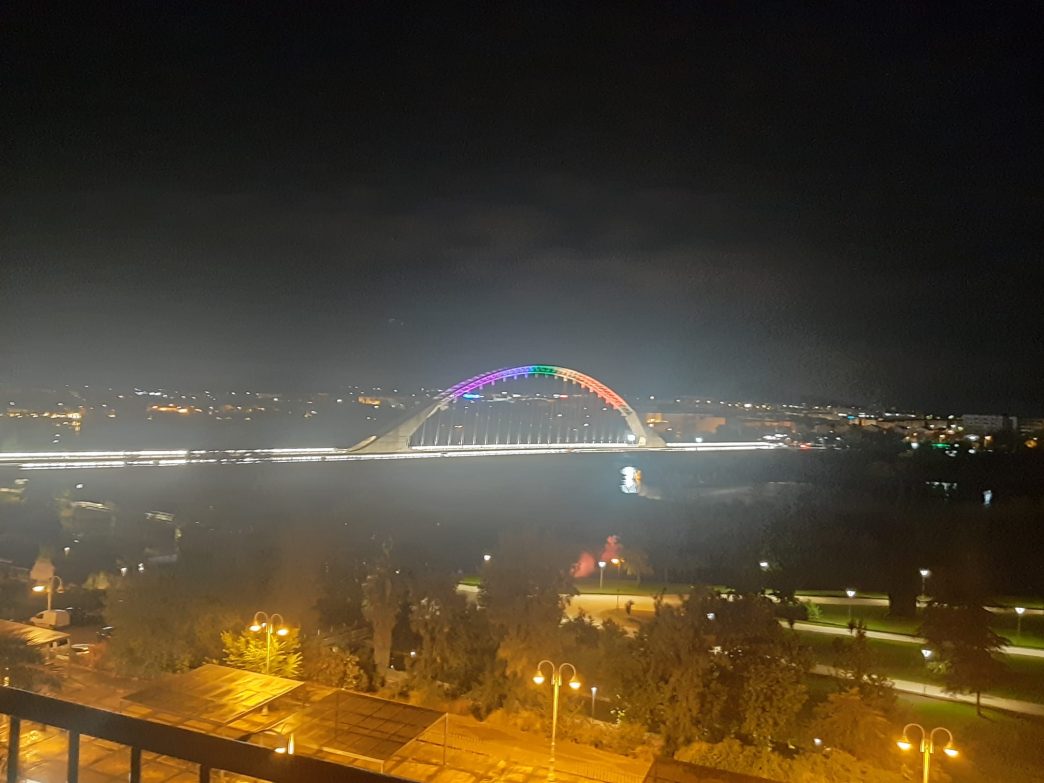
(553, 405)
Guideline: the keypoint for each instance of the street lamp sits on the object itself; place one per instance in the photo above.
(556, 683)
(49, 588)
(1019, 611)
(763, 565)
(487, 557)
(594, 693)
(927, 744)
(601, 574)
(270, 624)
(851, 593)
(925, 573)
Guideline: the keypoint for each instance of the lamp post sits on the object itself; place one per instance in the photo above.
(556, 674)
(851, 593)
(601, 574)
(1019, 611)
(927, 744)
(49, 588)
(269, 623)
(925, 573)
(618, 562)
(594, 693)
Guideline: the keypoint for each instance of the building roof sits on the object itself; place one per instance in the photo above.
(364, 727)
(209, 695)
(30, 634)
(337, 725)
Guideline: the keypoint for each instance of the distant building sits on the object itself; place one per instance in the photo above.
(1031, 426)
(683, 426)
(985, 423)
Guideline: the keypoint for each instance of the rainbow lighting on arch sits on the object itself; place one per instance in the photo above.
(592, 385)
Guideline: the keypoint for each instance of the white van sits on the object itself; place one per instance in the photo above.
(51, 618)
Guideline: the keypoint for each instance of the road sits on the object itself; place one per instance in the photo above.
(159, 458)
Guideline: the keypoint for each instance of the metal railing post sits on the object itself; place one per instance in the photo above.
(72, 774)
(135, 765)
(14, 735)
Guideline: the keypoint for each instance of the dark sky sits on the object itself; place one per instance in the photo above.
(830, 200)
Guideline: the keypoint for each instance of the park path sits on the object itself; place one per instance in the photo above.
(605, 606)
(904, 638)
(937, 692)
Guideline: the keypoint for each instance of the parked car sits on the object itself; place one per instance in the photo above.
(51, 618)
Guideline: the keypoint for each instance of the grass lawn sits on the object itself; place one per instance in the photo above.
(998, 746)
(904, 661)
(877, 619)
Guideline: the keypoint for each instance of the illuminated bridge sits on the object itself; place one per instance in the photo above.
(526, 410)
(532, 405)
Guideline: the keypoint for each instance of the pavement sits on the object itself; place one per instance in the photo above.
(937, 692)
(888, 636)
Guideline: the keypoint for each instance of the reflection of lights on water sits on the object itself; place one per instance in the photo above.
(630, 481)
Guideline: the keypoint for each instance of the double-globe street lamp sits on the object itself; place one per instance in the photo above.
(270, 624)
(557, 677)
(927, 744)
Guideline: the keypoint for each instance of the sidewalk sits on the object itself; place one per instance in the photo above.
(936, 692)
(888, 636)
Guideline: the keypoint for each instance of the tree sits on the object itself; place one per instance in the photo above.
(254, 652)
(166, 621)
(383, 594)
(855, 664)
(666, 677)
(524, 589)
(330, 665)
(760, 667)
(22, 666)
(456, 644)
(966, 646)
(636, 563)
(848, 721)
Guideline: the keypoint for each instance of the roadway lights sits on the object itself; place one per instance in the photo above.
(487, 557)
(925, 573)
(926, 653)
(850, 593)
(764, 565)
(1019, 611)
(601, 574)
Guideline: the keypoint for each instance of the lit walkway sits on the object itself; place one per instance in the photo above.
(937, 692)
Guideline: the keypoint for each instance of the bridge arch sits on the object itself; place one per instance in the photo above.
(398, 438)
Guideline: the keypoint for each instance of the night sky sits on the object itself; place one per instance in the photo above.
(771, 200)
